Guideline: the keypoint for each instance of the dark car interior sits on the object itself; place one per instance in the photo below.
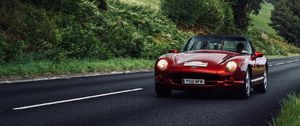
(217, 44)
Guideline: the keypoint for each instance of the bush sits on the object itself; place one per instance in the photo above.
(77, 29)
(79, 33)
(137, 31)
(181, 11)
(12, 52)
(269, 44)
(38, 29)
(78, 43)
(212, 14)
(42, 28)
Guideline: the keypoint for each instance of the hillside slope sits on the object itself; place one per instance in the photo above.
(262, 35)
(34, 31)
(78, 37)
(80, 30)
(263, 19)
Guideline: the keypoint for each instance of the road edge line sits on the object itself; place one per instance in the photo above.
(72, 77)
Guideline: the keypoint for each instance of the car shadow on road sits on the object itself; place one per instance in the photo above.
(207, 95)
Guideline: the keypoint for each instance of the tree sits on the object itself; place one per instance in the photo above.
(242, 10)
(286, 20)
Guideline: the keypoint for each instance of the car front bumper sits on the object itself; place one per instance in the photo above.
(174, 80)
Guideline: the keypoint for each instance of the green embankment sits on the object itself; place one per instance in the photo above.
(133, 29)
(63, 38)
(260, 21)
(290, 112)
(261, 33)
(80, 30)
(69, 67)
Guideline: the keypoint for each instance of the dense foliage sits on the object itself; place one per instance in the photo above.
(269, 44)
(62, 29)
(272, 1)
(34, 30)
(286, 20)
(195, 13)
(41, 29)
(139, 32)
(215, 15)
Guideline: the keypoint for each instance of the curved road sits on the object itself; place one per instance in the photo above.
(129, 100)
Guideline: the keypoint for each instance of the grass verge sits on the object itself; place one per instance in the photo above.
(281, 56)
(17, 71)
(50, 68)
(290, 112)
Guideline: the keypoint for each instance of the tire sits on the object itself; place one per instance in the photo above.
(262, 88)
(162, 91)
(245, 92)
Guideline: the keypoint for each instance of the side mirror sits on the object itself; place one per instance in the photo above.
(173, 51)
(258, 54)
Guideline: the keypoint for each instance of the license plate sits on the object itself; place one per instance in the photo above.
(193, 81)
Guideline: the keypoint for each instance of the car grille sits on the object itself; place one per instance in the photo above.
(177, 77)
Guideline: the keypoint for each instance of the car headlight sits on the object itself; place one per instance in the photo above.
(162, 64)
(231, 66)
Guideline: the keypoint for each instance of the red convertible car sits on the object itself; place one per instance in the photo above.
(208, 62)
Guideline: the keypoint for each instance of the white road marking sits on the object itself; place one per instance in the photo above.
(279, 64)
(282, 63)
(77, 99)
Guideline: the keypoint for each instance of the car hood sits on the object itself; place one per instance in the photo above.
(211, 57)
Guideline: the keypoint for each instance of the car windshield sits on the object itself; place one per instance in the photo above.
(227, 44)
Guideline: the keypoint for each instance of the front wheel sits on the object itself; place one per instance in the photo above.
(246, 88)
(162, 91)
(262, 88)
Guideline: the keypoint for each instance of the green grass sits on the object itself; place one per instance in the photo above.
(49, 68)
(15, 71)
(290, 112)
(262, 20)
(281, 56)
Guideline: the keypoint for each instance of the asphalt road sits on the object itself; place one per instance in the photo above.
(129, 100)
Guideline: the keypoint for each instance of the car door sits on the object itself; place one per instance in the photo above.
(257, 65)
